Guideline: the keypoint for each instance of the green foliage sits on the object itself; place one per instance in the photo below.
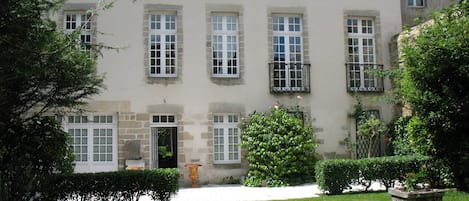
(280, 148)
(29, 154)
(335, 176)
(403, 143)
(252, 181)
(435, 84)
(399, 138)
(370, 128)
(159, 184)
(42, 69)
(411, 179)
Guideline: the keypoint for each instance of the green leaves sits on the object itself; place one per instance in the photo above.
(436, 86)
(337, 175)
(280, 148)
(41, 67)
(159, 184)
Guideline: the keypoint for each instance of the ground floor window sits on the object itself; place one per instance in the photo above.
(94, 142)
(226, 139)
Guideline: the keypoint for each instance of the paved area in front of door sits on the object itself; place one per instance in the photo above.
(242, 193)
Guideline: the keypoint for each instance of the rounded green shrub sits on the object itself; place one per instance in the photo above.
(281, 148)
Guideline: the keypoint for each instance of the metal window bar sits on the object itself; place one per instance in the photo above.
(289, 77)
(362, 77)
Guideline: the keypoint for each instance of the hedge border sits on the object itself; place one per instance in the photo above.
(159, 184)
(337, 175)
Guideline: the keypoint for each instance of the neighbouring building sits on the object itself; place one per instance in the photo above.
(189, 71)
(421, 10)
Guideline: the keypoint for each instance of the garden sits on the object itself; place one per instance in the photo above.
(449, 196)
(428, 149)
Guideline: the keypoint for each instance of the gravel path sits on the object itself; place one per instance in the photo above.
(242, 193)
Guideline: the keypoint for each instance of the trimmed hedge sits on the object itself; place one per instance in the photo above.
(159, 184)
(337, 175)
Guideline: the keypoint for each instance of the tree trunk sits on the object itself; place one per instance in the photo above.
(370, 147)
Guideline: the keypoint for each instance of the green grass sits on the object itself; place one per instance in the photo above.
(449, 196)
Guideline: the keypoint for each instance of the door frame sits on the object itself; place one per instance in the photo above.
(154, 125)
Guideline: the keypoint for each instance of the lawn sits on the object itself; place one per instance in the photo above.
(449, 196)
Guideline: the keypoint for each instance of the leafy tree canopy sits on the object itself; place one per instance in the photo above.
(435, 84)
(41, 69)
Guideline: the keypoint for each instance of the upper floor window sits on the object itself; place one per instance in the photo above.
(80, 21)
(226, 139)
(225, 55)
(416, 3)
(361, 55)
(162, 45)
(288, 70)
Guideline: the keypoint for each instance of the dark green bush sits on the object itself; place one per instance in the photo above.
(159, 184)
(388, 169)
(337, 175)
(30, 152)
(439, 173)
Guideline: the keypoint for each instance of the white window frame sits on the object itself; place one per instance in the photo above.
(153, 136)
(415, 3)
(167, 28)
(106, 122)
(226, 126)
(84, 22)
(161, 123)
(364, 60)
(227, 34)
(288, 69)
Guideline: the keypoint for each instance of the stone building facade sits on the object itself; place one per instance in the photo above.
(189, 71)
(421, 10)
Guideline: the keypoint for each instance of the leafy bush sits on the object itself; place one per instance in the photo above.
(159, 184)
(389, 169)
(398, 137)
(337, 175)
(439, 173)
(29, 154)
(280, 148)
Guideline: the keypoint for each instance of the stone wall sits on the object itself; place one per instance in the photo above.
(134, 126)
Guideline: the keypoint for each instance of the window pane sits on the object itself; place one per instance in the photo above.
(224, 45)
(162, 43)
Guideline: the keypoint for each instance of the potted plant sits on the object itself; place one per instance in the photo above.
(414, 188)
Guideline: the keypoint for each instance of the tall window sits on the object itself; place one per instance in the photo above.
(287, 53)
(82, 21)
(225, 46)
(361, 54)
(416, 3)
(163, 50)
(226, 139)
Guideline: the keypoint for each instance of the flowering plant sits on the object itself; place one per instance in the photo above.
(413, 181)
